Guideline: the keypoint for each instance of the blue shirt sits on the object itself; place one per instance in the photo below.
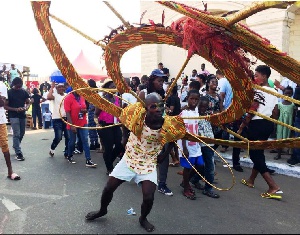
(226, 88)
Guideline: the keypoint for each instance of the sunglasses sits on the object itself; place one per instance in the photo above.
(157, 106)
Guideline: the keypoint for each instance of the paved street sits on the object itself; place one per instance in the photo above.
(54, 196)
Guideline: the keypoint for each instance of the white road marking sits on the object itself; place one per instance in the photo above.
(10, 206)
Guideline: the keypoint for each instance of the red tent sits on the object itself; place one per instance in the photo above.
(87, 70)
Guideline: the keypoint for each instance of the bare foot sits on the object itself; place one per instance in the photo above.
(95, 214)
(146, 225)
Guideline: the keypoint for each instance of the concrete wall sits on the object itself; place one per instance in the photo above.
(281, 27)
(173, 57)
(294, 40)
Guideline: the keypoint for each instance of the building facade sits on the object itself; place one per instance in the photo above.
(280, 26)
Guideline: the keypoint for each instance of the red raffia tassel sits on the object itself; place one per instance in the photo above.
(197, 36)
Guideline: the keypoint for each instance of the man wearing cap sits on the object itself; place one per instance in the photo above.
(57, 93)
(165, 71)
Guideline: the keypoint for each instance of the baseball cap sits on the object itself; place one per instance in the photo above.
(157, 73)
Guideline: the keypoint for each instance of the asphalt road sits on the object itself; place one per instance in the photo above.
(54, 196)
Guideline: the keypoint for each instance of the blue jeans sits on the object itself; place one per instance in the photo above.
(296, 151)
(18, 125)
(209, 168)
(60, 129)
(83, 134)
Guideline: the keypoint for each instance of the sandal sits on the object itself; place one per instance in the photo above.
(211, 194)
(198, 186)
(14, 176)
(189, 195)
(190, 188)
(244, 182)
(272, 195)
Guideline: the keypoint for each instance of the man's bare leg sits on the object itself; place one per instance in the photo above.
(148, 189)
(107, 195)
(8, 163)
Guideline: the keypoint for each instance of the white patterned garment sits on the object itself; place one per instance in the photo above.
(141, 155)
(205, 129)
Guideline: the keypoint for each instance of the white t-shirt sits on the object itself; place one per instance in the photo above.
(3, 92)
(192, 127)
(56, 103)
(269, 103)
(128, 97)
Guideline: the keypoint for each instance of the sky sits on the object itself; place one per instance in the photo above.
(21, 43)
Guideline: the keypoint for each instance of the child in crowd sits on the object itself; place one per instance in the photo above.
(47, 115)
(191, 150)
(286, 115)
(205, 129)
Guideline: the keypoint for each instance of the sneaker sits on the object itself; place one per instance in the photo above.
(20, 157)
(77, 152)
(238, 168)
(162, 188)
(92, 147)
(293, 161)
(71, 160)
(51, 153)
(89, 163)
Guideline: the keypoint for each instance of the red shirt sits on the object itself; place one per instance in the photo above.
(74, 106)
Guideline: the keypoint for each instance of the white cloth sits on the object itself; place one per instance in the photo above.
(123, 172)
(45, 97)
(269, 103)
(285, 83)
(202, 90)
(128, 97)
(56, 103)
(192, 127)
(3, 92)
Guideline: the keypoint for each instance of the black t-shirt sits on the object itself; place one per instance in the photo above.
(165, 71)
(36, 100)
(174, 100)
(16, 99)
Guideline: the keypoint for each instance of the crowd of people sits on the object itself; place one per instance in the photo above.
(200, 94)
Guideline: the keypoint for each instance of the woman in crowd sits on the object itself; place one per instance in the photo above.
(260, 129)
(93, 135)
(36, 99)
(75, 108)
(215, 104)
(135, 82)
(112, 136)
